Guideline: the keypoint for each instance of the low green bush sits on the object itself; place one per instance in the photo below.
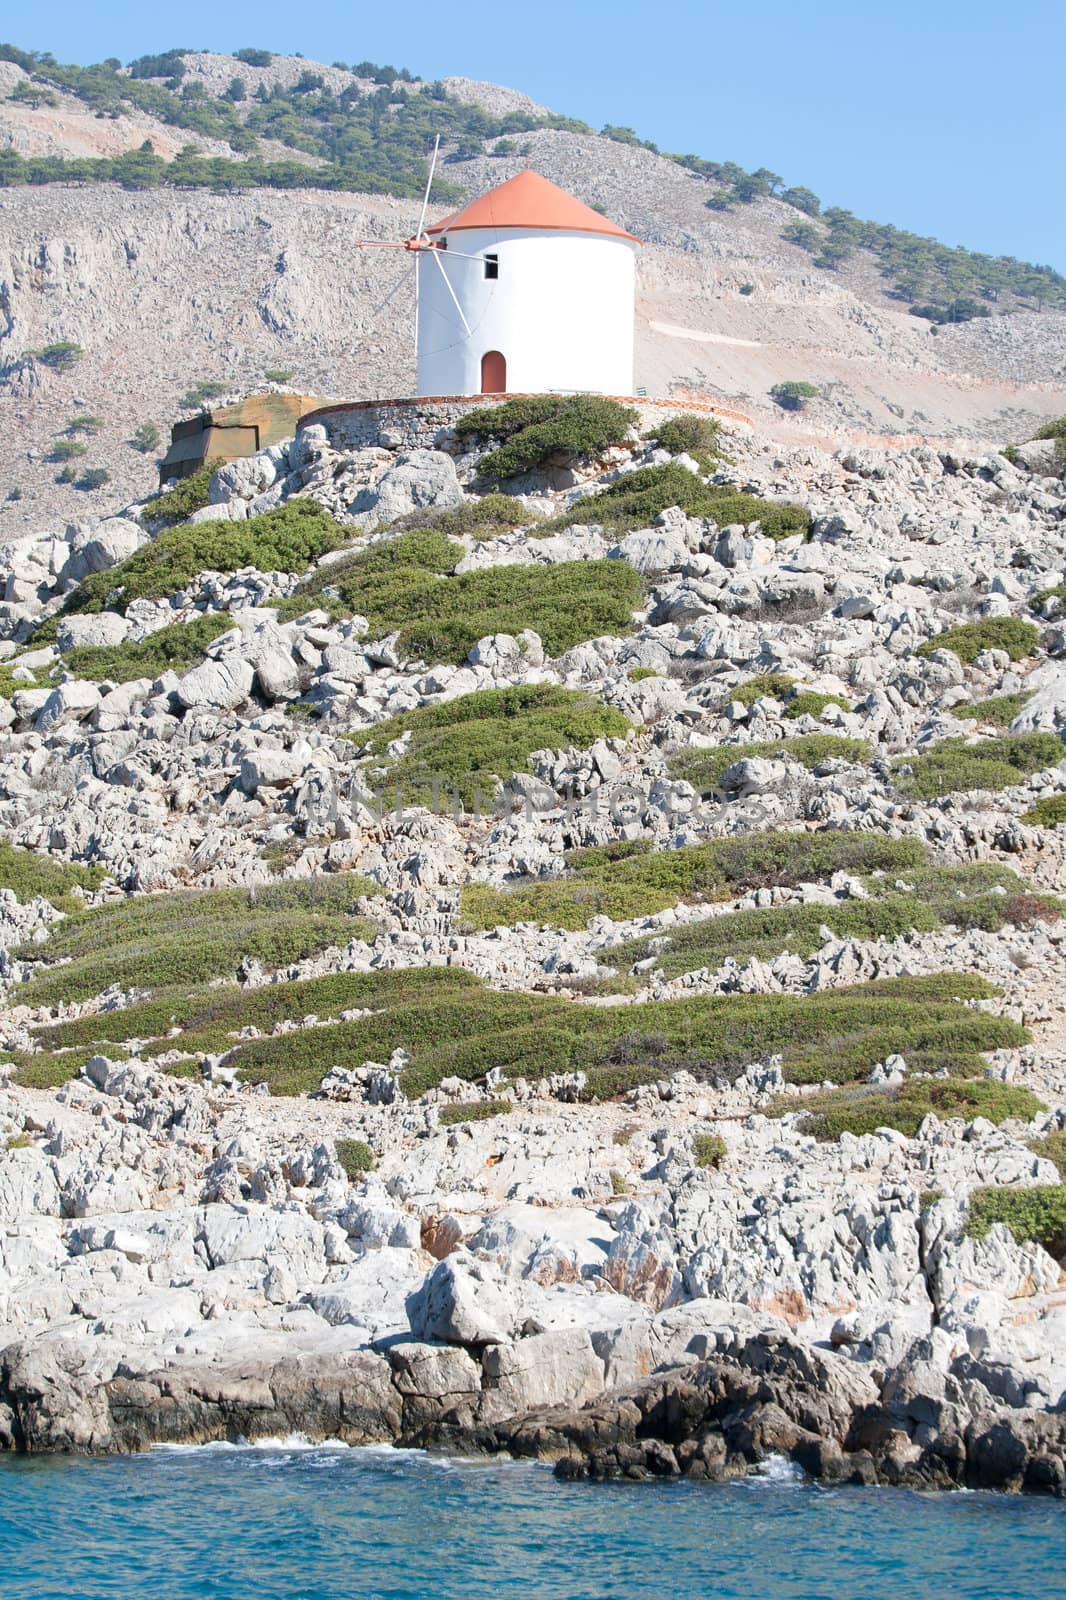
(793, 395)
(860, 1110)
(151, 941)
(1012, 634)
(766, 686)
(765, 933)
(642, 882)
(1052, 1147)
(1036, 1215)
(472, 1111)
(176, 649)
(583, 426)
(186, 495)
(28, 874)
(377, 581)
(504, 421)
(1056, 429)
(689, 434)
(1047, 812)
(636, 499)
(708, 1150)
(1000, 711)
(704, 768)
(464, 1035)
(402, 583)
(1039, 601)
(811, 703)
(356, 1157)
(210, 1018)
(461, 747)
(287, 539)
(640, 674)
(954, 765)
(483, 517)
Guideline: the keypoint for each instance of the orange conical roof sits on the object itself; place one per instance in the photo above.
(530, 201)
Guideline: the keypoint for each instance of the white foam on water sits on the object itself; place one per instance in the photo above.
(287, 1442)
(776, 1469)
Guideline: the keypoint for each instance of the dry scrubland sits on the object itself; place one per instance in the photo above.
(468, 951)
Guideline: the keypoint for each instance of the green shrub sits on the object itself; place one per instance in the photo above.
(1052, 1147)
(565, 604)
(483, 517)
(184, 497)
(286, 539)
(1039, 601)
(378, 581)
(93, 478)
(472, 1111)
(766, 686)
(150, 941)
(468, 743)
(1000, 711)
(1048, 812)
(455, 1029)
(176, 648)
(1012, 634)
(513, 417)
(1036, 1215)
(704, 768)
(275, 374)
(779, 686)
(1052, 430)
(399, 583)
(85, 423)
(709, 1150)
(862, 1110)
(206, 389)
(641, 883)
(586, 425)
(765, 933)
(28, 874)
(356, 1157)
(210, 1017)
(640, 674)
(619, 1185)
(67, 450)
(954, 765)
(689, 434)
(146, 438)
(636, 499)
(62, 356)
(793, 395)
(811, 703)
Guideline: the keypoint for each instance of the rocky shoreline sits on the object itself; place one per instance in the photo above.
(753, 1399)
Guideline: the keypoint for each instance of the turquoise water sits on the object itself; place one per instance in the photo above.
(286, 1523)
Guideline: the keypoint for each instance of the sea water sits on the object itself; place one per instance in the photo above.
(291, 1522)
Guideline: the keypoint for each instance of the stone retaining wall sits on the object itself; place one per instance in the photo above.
(411, 424)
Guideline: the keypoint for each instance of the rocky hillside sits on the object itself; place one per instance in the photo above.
(577, 971)
(163, 289)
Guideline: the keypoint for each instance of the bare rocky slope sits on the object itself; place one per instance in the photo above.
(164, 289)
(702, 1100)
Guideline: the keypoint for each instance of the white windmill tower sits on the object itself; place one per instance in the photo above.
(526, 290)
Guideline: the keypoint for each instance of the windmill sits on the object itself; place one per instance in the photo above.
(540, 301)
(421, 244)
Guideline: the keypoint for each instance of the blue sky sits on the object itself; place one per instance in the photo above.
(942, 117)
